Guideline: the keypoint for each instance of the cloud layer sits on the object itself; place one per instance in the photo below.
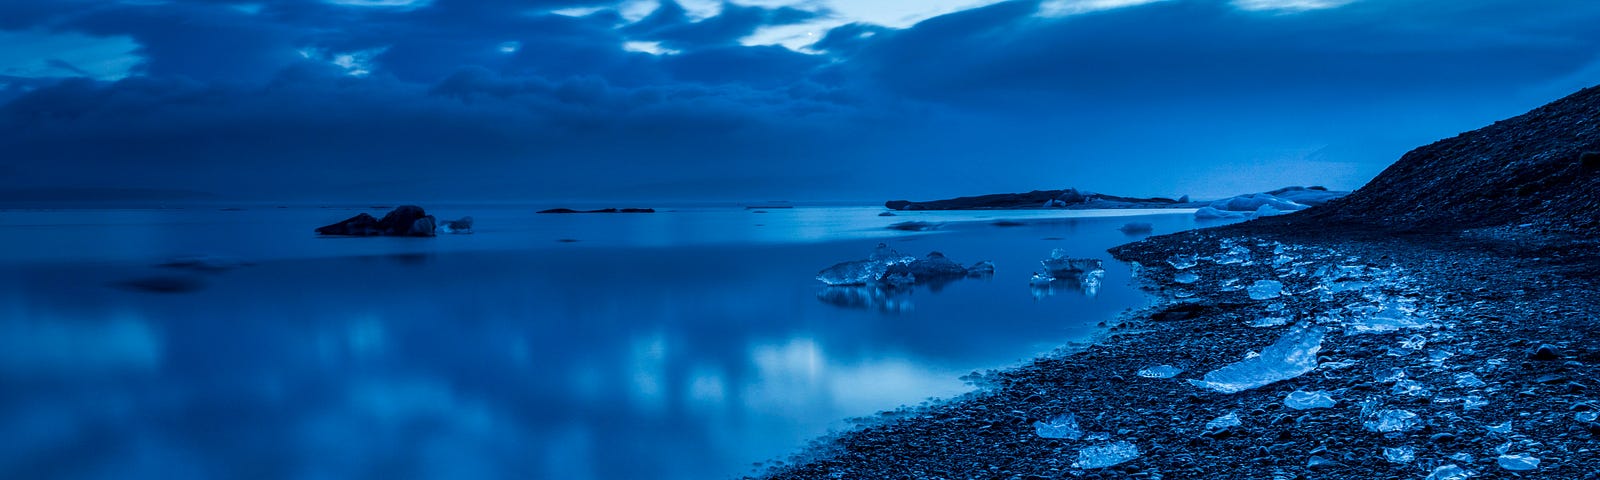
(503, 100)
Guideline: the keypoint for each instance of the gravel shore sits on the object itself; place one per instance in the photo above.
(1442, 353)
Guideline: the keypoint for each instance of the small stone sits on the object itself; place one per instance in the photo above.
(1544, 352)
(1442, 437)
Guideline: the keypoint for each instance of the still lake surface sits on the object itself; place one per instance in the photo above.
(690, 343)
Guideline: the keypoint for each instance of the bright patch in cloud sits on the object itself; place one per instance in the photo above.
(636, 10)
(510, 47)
(1062, 8)
(578, 11)
(357, 63)
(1289, 5)
(397, 4)
(37, 53)
(653, 48)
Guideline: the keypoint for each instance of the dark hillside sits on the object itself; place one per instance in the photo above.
(1542, 167)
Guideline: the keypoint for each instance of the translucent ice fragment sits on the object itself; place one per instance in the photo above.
(1588, 416)
(1391, 316)
(1473, 402)
(1393, 420)
(1400, 454)
(1160, 371)
(1224, 422)
(1101, 456)
(1269, 322)
(1462, 457)
(1501, 428)
(1185, 277)
(1449, 472)
(1293, 355)
(1061, 426)
(873, 270)
(1235, 254)
(1469, 380)
(1306, 400)
(1265, 289)
(1183, 262)
(1517, 462)
(1416, 342)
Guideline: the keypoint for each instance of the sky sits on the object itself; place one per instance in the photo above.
(804, 100)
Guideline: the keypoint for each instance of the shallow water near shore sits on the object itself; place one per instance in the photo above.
(690, 343)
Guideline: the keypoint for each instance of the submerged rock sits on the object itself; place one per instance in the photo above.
(403, 221)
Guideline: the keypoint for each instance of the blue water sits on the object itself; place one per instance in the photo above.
(690, 343)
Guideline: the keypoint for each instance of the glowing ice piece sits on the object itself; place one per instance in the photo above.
(1306, 400)
(1293, 355)
(1101, 456)
(1062, 426)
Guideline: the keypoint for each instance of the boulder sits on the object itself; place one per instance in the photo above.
(403, 221)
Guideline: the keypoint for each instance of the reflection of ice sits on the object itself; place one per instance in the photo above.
(50, 347)
(1293, 355)
(867, 297)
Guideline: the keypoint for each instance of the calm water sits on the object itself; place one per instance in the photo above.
(691, 343)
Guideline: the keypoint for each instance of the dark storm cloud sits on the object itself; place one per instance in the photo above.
(505, 99)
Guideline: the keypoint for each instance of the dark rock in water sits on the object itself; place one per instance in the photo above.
(163, 284)
(1590, 160)
(1007, 223)
(886, 214)
(403, 221)
(915, 226)
(1544, 352)
(1070, 198)
(602, 210)
(464, 225)
(205, 263)
(1137, 227)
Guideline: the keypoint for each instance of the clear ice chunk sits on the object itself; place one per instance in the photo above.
(1415, 342)
(1183, 262)
(1160, 371)
(1390, 316)
(1186, 277)
(1265, 289)
(873, 270)
(1293, 355)
(1449, 472)
(1224, 422)
(1501, 428)
(1234, 254)
(1264, 322)
(1101, 456)
(1308, 399)
(1586, 417)
(1462, 457)
(1517, 462)
(1400, 454)
(1061, 426)
(1393, 420)
(1473, 402)
(1469, 380)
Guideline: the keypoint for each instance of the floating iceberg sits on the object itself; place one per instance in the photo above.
(1062, 426)
(1160, 371)
(1061, 265)
(1293, 355)
(1306, 400)
(1101, 456)
(1265, 289)
(462, 226)
(1517, 462)
(1082, 274)
(886, 267)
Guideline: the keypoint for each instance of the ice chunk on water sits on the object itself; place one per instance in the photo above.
(1409, 387)
(1293, 355)
(1061, 426)
(1462, 457)
(1473, 402)
(1185, 278)
(1308, 399)
(1265, 289)
(873, 270)
(1060, 265)
(1224, 422)
(1183, 262)
(1517, 462)
(1400, 454)
(981, 269)
(1101, 456)
(1160, 371)
(1449, 472)
(1416, 342)
(1393, 420)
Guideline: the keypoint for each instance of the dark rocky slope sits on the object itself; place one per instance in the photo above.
(1542, 167)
